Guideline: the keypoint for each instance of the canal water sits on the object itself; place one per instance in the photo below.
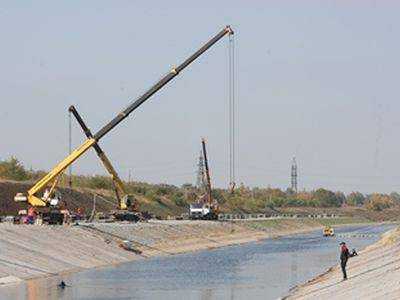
(259, 270)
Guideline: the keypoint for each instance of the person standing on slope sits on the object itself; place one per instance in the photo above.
(344, 256)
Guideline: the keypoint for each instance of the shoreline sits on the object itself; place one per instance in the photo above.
(373, 274)
(34, 252)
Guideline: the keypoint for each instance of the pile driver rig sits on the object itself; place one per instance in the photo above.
(206, 208)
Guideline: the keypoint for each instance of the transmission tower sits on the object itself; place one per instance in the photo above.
(200, 172)
(294, 175)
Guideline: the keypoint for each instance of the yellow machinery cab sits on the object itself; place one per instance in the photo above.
(328, 231)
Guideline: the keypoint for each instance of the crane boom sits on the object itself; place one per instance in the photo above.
(163, 81)
(120, 188)
(60, 168)
(203, 143)
(57, 171)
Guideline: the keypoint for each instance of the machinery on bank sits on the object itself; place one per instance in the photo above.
(328, 231)
(47, 202)
(205, 208)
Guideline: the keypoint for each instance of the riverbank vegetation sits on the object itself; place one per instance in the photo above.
(158, 197)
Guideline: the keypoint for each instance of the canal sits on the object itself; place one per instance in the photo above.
(260, 270)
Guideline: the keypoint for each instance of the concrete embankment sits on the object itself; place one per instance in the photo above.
(374, 274)
(29, 251)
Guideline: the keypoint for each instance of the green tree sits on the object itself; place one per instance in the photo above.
(395, 197)
(218, 195)
(355, 199)
(100, 182)
(13, 169)
(326, 198)
(379, 202)
(340, 197)
(164, 189)
(179, 199)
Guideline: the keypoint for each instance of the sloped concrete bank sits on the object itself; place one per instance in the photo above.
(28, 251)
(374, 274)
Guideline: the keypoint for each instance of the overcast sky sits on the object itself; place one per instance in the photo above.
(318, 80)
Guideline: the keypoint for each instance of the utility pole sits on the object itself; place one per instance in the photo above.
(294, 175)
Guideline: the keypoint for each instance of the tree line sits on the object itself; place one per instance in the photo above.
(242, 199)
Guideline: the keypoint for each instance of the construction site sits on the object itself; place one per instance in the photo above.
(60, 230)
(45, 205)
(59, 221)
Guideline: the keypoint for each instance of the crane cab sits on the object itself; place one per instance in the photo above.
(202, 211)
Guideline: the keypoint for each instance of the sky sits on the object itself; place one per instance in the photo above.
(317, 80)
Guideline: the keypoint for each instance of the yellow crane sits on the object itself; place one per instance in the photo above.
(122, 195)
(127, 204)
(54, 175)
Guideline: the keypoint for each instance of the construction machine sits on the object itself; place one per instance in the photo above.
(127, 204)
(328, 231)
(33, 196)
(205, 208)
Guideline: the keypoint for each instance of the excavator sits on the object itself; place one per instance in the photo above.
(127, 204)
(205, 208)
(47, 200)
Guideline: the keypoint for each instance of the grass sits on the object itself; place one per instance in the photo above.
(343, 221)
(277, 223)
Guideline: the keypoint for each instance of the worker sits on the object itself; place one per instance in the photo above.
(344, 256)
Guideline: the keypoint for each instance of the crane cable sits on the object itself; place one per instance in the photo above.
(232, 111)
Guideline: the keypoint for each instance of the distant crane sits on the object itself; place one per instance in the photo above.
(206, 208)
